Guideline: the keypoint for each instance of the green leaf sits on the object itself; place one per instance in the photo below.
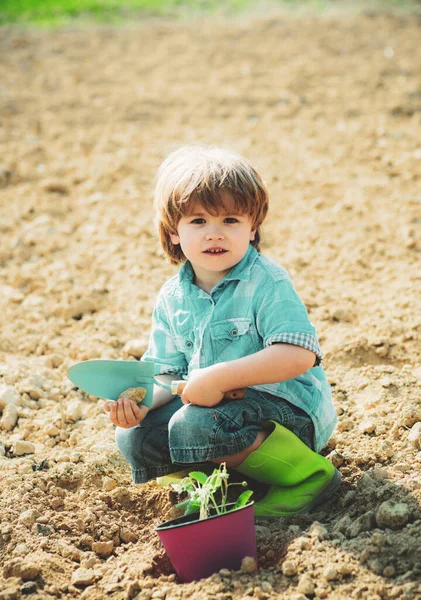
(199, 476)
(184, 504)
(193, 507)
(243, 499)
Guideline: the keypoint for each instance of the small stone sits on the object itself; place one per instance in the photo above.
(52, 430)
(318, 531)
(9, 417)
(367, 425)
(9, 395)
(20, 447)
(389, 571)
(414, 437)
(28, 517)
(344, 569)
(365, 522)
(335, 458)
(126, 535)
(134, 348)
(248, 565)
(306, 585)
(386, 449)
(29, 587)
(103, 549)
(266, 587)
(225, 572)
(410, 415)
(82, 577)
(392, 515)
(330, 573)
(108, 484)
(10, 593)
(289, 568)
(20, 568)
(73, 411)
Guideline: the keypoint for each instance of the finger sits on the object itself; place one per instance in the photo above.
(113, 413)
(129, 411)
(121, 414)
(107, 406)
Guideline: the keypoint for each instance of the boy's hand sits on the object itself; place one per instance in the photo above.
(202, 388)
(125, 413)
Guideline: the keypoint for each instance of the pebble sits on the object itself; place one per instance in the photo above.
(306, 585)
(330, 573)
(82, 577)
(367, 425)
(410, 415)
(289, 568)
(392, 515)
(73, 411)
(103, 549)
(9, 417)
(225, 573)
(29, 587)
(20, 447)
(108, 484)
(28, 517)
(365, 522)
(9, 395)
(414, 437)
(10, 593)
(386, 449)
(248, 565)
(335, 458)
(18, 567)
(318, 531)
(134, 348)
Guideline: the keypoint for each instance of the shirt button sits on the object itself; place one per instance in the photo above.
(234, 332)
(189, 344)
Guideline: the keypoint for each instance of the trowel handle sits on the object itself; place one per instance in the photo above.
(177, 388)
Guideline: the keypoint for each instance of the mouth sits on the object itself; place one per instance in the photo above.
(215, 251)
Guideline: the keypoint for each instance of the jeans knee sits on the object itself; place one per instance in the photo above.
(125, 440)
(190, 426)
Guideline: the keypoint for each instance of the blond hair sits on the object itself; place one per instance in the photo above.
(204, 174)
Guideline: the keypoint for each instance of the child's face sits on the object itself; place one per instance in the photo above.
(214, 244)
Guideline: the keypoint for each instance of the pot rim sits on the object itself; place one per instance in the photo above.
(172, 525)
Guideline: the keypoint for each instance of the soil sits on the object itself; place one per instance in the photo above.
(328, 108)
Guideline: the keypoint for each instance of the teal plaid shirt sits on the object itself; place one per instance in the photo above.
(254, 306)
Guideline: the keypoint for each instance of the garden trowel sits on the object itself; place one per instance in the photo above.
(109, 378)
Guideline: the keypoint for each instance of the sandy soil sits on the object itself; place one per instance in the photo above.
(329, 109)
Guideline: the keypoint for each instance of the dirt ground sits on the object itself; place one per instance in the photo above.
(329, 110)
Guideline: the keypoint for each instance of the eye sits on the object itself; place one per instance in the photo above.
(198, 221)
(231, 220)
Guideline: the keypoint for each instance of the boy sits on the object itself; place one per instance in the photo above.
(229, 319)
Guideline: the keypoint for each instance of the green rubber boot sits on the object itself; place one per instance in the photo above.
(300, 479)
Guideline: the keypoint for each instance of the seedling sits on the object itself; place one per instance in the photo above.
(201, 490)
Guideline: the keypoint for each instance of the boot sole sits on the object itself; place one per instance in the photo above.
(326, 494)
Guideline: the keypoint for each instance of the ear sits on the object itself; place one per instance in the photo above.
(252, 235)
(175, 239)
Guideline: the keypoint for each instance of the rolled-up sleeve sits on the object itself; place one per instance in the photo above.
(283, 318)
(161, 349)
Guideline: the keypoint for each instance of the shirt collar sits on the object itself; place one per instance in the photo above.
(241, 271)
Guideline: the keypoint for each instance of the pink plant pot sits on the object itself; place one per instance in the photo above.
(199, 548)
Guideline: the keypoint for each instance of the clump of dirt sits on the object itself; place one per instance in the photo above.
(329, 110)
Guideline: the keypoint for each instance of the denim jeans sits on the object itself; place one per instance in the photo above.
(188, 434)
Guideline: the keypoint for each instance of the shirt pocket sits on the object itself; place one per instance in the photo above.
(185, 343)
(232, 338)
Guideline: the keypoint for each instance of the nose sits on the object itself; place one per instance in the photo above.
(214, 233)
